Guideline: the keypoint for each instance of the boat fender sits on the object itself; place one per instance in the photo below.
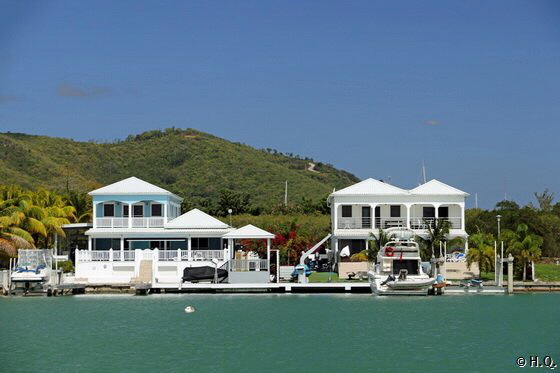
(389, 251)
(189, 309)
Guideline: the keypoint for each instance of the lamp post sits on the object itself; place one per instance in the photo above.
(498, 276)
(229, 212)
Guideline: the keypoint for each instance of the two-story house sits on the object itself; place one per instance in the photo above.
(365, 207)
(139, 234)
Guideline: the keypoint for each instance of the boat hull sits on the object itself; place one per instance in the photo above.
(411, 286)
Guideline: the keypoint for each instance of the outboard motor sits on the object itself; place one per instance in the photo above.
(389, 279)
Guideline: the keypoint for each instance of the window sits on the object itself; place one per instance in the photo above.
(395, 211)
(443, 211)
(125, 211)
(138, 210)
(108, 209)
(156, 209)
(346, 211)
(428, 212)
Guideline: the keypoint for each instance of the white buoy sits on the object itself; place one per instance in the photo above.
(189, 309)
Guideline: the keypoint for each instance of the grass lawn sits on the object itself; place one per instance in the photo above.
(547, 272)
(323, 277)
(333, 276)
(489, 276)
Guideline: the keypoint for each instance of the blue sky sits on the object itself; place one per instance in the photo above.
(472, 88)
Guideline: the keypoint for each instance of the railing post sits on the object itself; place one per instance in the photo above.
(155, 254)
(179, 255)
(111, 254)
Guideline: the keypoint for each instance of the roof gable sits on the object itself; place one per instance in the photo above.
(131, 185)
(249, 231)
(196, 219)
(370, 186)
(436, 187)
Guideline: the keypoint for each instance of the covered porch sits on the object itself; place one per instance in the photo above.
(250, 255)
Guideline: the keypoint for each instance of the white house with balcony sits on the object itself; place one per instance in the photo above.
(139, 235)
(365, 207)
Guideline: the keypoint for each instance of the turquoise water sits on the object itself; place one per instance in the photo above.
(277, 333)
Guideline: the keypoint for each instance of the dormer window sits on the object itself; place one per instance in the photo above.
(108, 209)
(157, 209)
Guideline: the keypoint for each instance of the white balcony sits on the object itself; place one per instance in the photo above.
(143, 222)
(392, 222)
(354, 223)
(424, 223)
(156, 255)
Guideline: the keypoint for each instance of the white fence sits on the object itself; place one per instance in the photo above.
(156, 255)
(245, 265)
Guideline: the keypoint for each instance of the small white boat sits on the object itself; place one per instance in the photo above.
(398, 269)
(26, 274)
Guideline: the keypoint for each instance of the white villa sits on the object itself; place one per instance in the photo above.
(139, 235)
(365, 207)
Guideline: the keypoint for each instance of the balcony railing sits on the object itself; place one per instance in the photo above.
(354, 223)
(392, 222)
(144, 222)
(162, 255)
(424, 223)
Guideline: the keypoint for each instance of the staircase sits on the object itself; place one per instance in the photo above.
(144, 273)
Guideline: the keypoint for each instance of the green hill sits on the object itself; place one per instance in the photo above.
(190, 163)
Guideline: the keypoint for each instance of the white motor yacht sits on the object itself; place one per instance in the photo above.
(398, 269)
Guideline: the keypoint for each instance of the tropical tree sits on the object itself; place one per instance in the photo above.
(82, 205)
(524, 246)
(12, 237)
(481, 251)
(438, 232)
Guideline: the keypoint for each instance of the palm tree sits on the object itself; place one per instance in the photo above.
(12, 237)
(82, 204)
(524, 246)
(438, 232)
(481, 252)
(376, 242)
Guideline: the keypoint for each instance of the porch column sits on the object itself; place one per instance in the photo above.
(407, 206)
(89, 243)
(94, 215)
(268, 254)
(189, 251)
(372, 206)
(122, 248)
(335, 216)
(165, 212)
(130, 215)
(462, 207)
